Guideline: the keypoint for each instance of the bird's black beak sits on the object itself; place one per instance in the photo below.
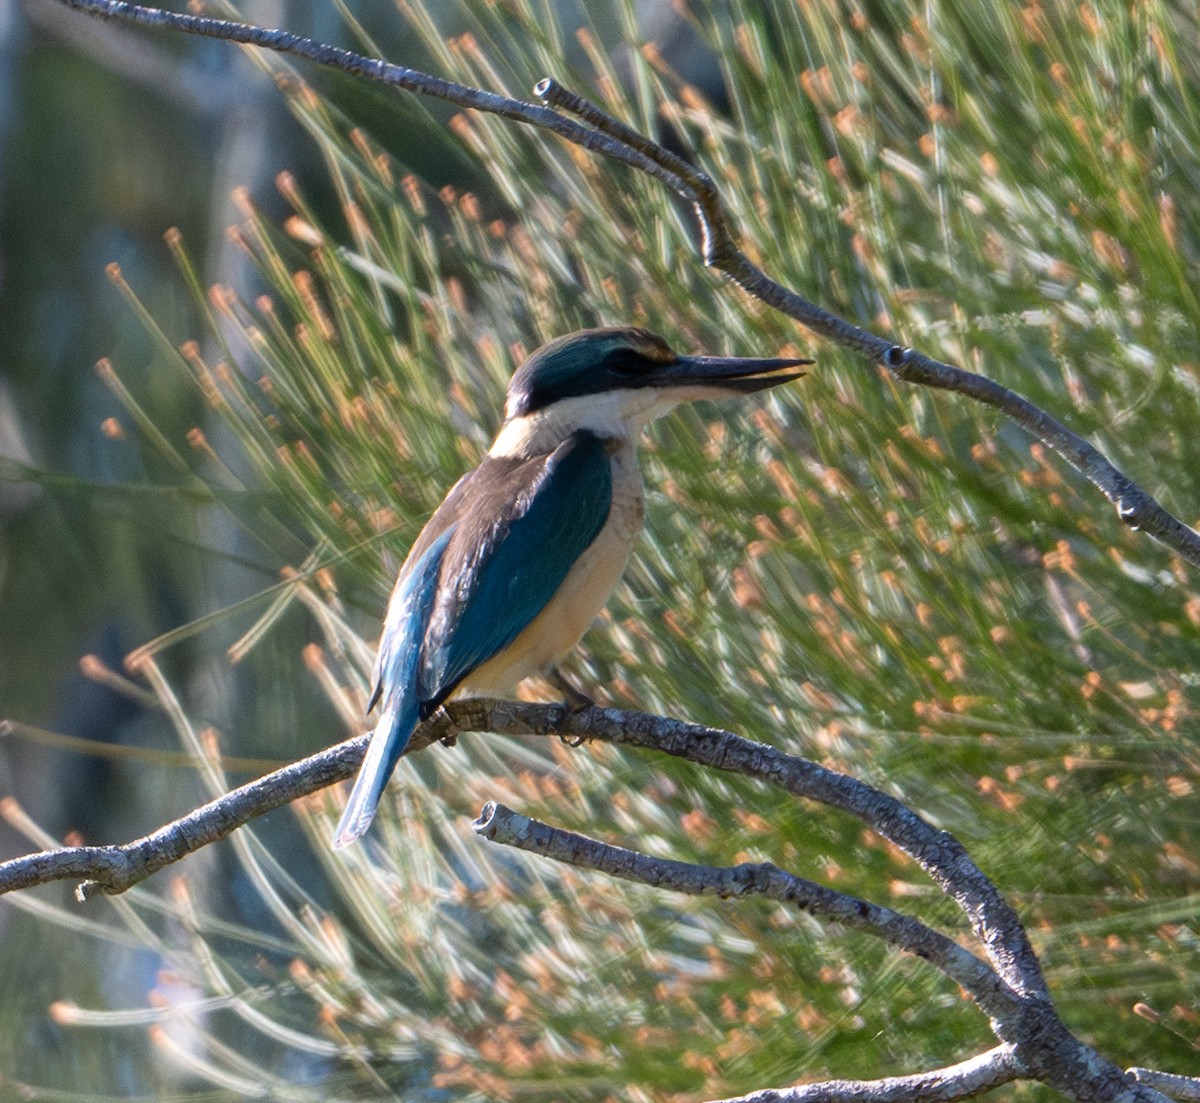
(729, 374)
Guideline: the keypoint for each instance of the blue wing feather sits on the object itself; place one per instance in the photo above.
(488, 561)
(496, 581)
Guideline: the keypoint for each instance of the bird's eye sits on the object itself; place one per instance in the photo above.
(629, 364)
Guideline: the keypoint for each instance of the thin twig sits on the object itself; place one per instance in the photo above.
(501, 824)
(384, 72)
(945, 1085)
(1184, 1089)
(116, 868)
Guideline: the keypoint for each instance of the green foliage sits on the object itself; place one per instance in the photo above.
(890, 581)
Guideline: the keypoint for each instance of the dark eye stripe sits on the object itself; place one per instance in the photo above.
(630, 362)
(588, 362)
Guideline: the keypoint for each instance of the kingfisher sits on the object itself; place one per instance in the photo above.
(522, 554)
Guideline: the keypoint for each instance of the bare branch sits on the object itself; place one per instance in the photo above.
(616, 140)
(113, 869)
(501, 824)
(937, 852)
(1185, 1089)
(395, 76)
(188, 86)
(1048, 1051)
(961, 1081)
(1137, 508)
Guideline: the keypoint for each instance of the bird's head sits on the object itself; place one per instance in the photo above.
(614, 381)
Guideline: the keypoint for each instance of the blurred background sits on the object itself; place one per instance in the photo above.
(888, 581)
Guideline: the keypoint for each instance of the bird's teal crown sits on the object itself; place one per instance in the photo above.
(591, 361)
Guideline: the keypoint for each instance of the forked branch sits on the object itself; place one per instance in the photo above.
(1008, 986)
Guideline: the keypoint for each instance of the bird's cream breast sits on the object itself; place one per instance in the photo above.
(561, 624)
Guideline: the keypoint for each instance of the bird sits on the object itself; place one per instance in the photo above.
(522, 554)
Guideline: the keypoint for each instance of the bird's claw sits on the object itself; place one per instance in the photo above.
(448, 737)
(575, 699)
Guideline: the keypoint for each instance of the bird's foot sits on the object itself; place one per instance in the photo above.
(447, 733)
(573, 697)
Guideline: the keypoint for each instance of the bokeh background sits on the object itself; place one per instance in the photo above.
(891, 582)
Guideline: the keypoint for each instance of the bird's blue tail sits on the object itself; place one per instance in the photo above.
(396, 670)
(391, 736)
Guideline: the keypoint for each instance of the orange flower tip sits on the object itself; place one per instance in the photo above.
(328, 1015)
(104, 368)
(189, 350)
(112, 429)
(305, 94)
(297, 228)
(196, 437)
(1145, 1011)
(173, 236)
(113, 271)
(73, 838)
(219, 296)
(314, 658)
(91, 666)
(10, 810)
(241, 199)
(64, 1012)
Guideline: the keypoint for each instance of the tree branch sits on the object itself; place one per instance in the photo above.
(960, 1081)
(718, 247)
(501, 824)
(1185, 1089)
(113, 869)
(941, 855)
(1021, 1012)
(107, 870)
